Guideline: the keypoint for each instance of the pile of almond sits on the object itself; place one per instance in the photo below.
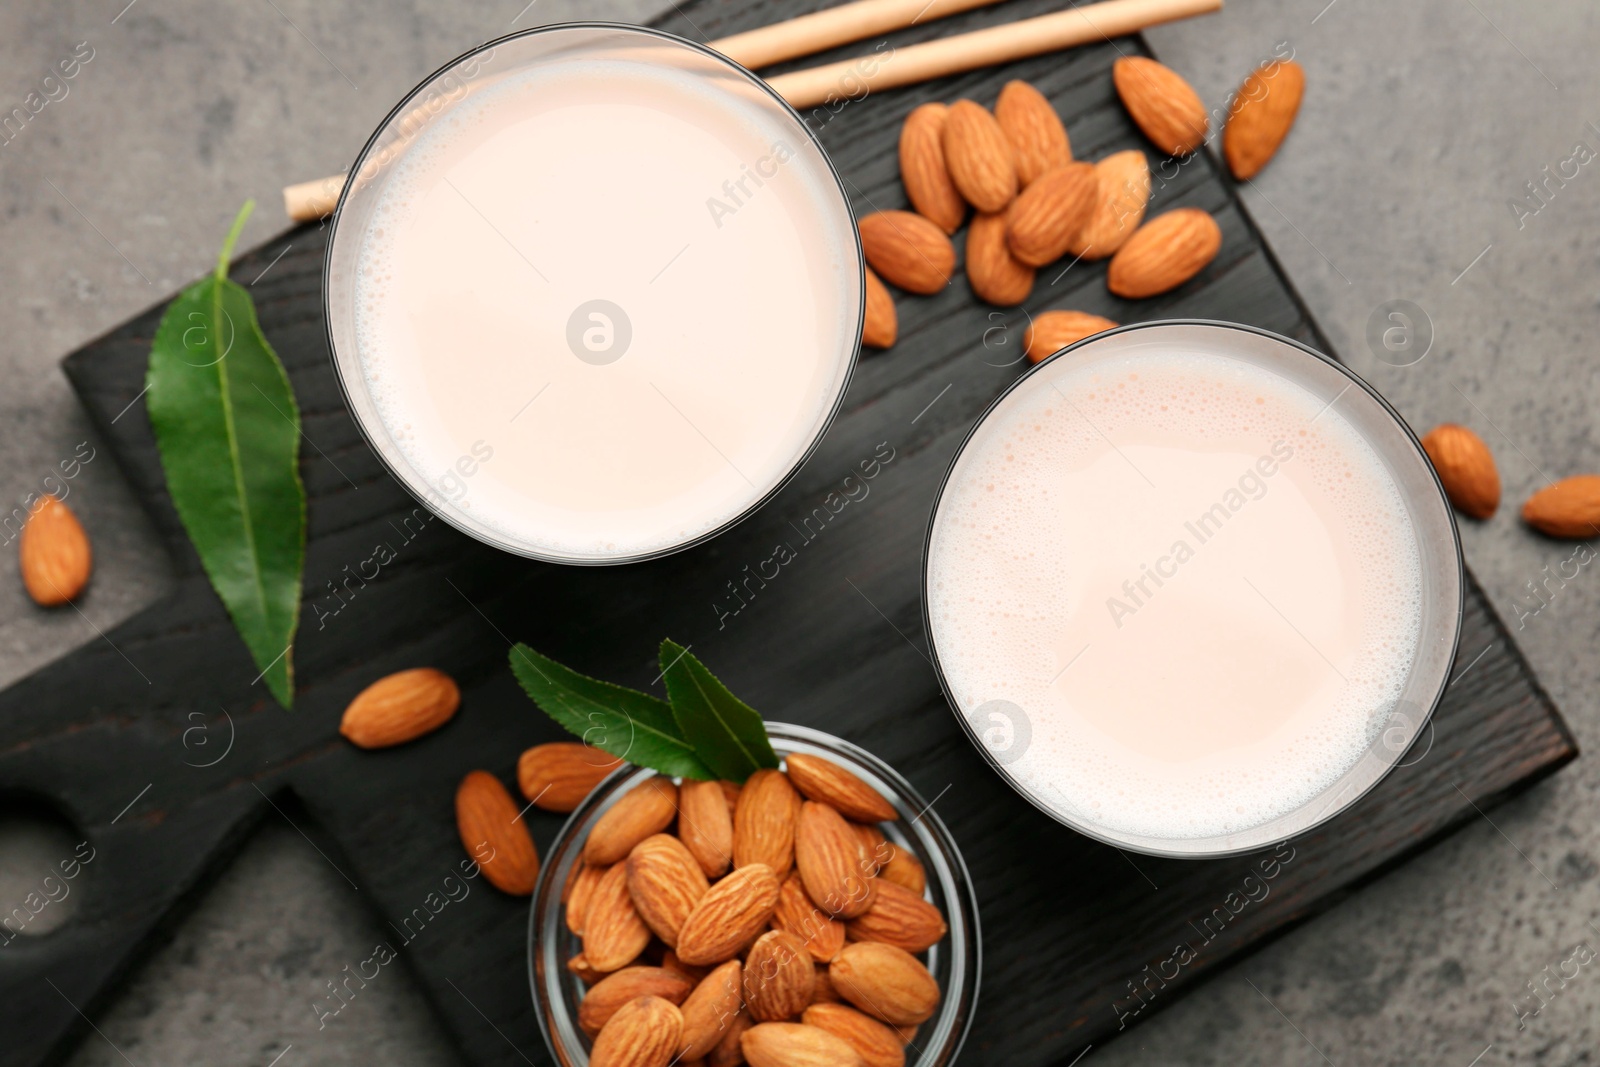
(1034, 204)
(771, 924)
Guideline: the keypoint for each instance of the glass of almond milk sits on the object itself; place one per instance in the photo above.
(594, 293)
(1192, 588)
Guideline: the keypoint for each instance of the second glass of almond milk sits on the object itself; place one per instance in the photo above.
(594, 293)
(1192, 588)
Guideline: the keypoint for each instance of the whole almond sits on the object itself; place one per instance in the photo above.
(828, 783)
(905, 870)
(730, 792)
(875, 1043)
(875, 846)
(764, 823)
(648, 808)
(832, 863)
(822, 992)
(400, 707)
(1569, 508)
(1161, 104)
(670, 960)
(710, 1010)
(907, 1033)
(730, 1050)
(996, 276)
(978, 157)
(1051, 212)
(53, 553)
(1122, 192)
(730, 916)
(584, 879)
(494, 835)
(797, 1045)
(822, 935)
(923, 172)
(1054, 330)
(609, 994)
(778, 977)
(705, 826)
(1263, 113)
(666, 882)
(879, 325)
(1466, 469)
(580, 967)
(885, 982)
(900, 918)
(907, 251)
(1034, 130)
(558, 775)
(1164, 253)
(642, 1033)
(613, 932)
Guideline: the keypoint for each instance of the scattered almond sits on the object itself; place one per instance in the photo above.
(1050, 213)
(666, 882)
(613, 931)
(1038, 139)
(53, 553)
(899, 917)
(822, 935)
(1164, 253)
(778, 977)
(923, 172)
(978, 157)
(907, 250)
(875, 1043)
(880, 325)
(1123, 190)
(643, 1033)
(796, 1045)
(400, 707)
(648, 808)
(1161, 104)
(1263, 113)
(730, 916)
(832, 863)
(1054, 330)
(764, 823)
(494, 835)
(710, 1010)
(1569, 508)
(885, 982)
(705, 826)
(1465, 468)
(828, 783)
(613, 991)
(996, 276)
(558, 775)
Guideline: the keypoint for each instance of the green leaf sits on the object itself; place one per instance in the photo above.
(228, 429)
(727, 734)
(628, 724)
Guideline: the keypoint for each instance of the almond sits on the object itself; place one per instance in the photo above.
(923, 172)
(1055, 330)
(583, 881)
(643, 1033)
(904, 869)
(778, 977)
(822, 992)
(900, 918)
(828, 783)
(885, 982)
(493, 834)
(648, 808)
(1038, 139)
(978, 157)
(908, 1033)
(666, 882)
(730, 793)
(670, 960)
(557, 776)
(875, 1043)
(705, 826)
(1263, 113)
(1051, 212)
(1569, 508)
(880, 326)
(764, 823)
(877, 848)
(995, 274)
(730, 916)
(613, 932)
(1164, 253)
(1161, 104)
(1466, 469)
(1122, 192)
(609, 994)
(53, 553)
(730, 1050)
(796, 914)
(710, 1010)
(908, 251)
(579, 966)
(796, 1045)
(400, 707)
(832, 862)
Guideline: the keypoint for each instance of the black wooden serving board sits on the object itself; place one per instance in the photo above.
(836, 642)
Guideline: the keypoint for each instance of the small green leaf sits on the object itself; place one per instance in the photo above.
(727, 734)
(628, 724)
(228, 430)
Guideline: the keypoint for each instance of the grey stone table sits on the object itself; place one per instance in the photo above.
(1423, 124)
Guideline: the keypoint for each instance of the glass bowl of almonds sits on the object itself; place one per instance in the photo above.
(820, 913)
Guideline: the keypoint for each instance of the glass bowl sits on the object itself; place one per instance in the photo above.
(954, 962)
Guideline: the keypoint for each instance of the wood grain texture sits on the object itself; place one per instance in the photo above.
(835, 641)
